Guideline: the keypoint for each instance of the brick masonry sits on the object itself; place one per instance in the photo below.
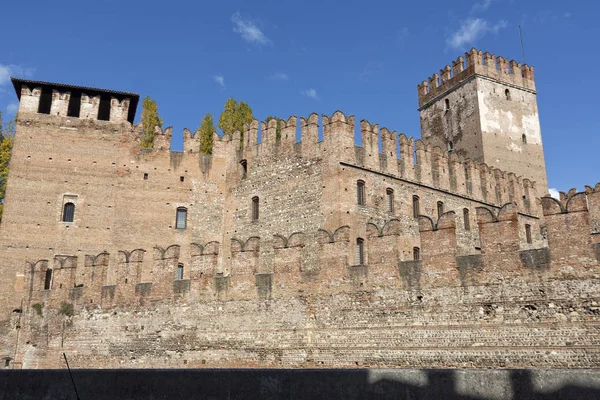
(503, 278)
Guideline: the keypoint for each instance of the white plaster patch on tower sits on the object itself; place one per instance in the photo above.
(514, 147)
(531, 128)
(489, 121)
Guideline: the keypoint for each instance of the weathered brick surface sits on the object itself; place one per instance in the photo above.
(286, 289)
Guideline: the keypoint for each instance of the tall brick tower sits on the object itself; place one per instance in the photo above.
(486, 111)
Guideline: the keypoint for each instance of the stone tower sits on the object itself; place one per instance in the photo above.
(486, 111)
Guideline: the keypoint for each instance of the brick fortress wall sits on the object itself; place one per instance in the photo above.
(286, 289)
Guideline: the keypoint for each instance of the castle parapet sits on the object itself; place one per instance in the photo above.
(477, 64)
(75, 101)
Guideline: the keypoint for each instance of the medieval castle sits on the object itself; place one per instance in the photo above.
(437, 252)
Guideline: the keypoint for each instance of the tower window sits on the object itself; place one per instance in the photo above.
(244, 165)
(104, 109)
(416, 253)
(507, 94)
(440, 208)
(145, 176)
(450, 146)
(446, 104)
(360, 192)
(74, 107)
(360, 251)
(48, 279)
(179, 272)
(524, 139)
(416, 207)
(528, 233)
(389, 193)
(68, 212)
(181, 178)
(467, 222)
(255, 206)
(45, 101)
(181, 218)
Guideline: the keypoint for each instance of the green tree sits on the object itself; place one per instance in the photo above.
(277, 128)
(7, 131)
(150, 120)
(207, 128)
(234, 116)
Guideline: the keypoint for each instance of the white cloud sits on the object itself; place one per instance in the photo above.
(249, 31)
(473, 29)
(482, 6)
(6, 71)
(12, 108)
(554, 193)
(312, 93)
(220, 80)
(280, 76)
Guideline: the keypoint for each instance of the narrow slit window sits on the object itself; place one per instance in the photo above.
(507, 94)
(145, 176)
(255, 208)
(68, 212)
(440, 208)
(179, 272)
(45, 101)
(528, 233)
(524, 139)
(360, 251)
(244, 165)
(416, 206)
(389, 192)
(466, 219)
(360, 192)
(181, 178)
(180, 223)
(450, 146)
(446, 104)
(416, 253)
(48, 279)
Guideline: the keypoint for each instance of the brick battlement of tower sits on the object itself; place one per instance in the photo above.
(477, 64)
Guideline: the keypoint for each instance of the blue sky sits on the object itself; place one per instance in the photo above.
(293, 58)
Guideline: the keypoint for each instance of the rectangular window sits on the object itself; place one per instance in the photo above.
(528, 233)
(416, 208)
(48, 280)
(360, 251)
(181, 218)
(440, 208)
(179, 272)
(416, 253)
(360, 193)
(390, 199)
(255, 206)
(467, 222)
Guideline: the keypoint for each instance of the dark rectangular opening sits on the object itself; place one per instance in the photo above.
(104, 109)
(74, 105)
(45, 101)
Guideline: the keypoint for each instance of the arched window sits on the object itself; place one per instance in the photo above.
(440, 208)
(528, 233)
(416, 253)
(48, 279)
(244, 165)
(507, 94)
(450, 146)
(179, 272)
(181, 218)
(255, 206)
(446, 104)
(360, 192)
(416, 207)
(467, 222)
(524, 139)
(68, 212)
(389, 193)
(360, 251)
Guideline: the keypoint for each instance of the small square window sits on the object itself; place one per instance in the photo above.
(181, 179)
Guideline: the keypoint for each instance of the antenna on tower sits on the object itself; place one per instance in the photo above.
(522, 47)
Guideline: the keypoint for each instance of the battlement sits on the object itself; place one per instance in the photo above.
(62, 100)
(476, 63)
